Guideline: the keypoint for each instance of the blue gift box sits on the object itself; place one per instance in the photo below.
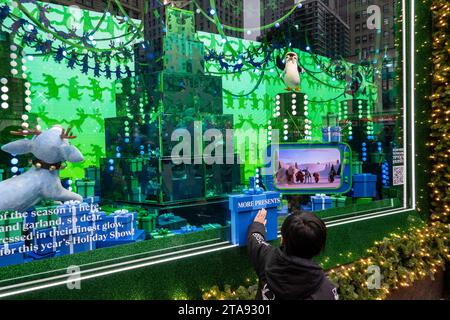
(45, 241)
(171, 221)
(332, 134)
(321, 202)
(187, 229)
(139, 235)
(92, 200)
(74, 215)
(244, 207)
(97, 221)
(268, 182)
(120, 225)
(76, 243)
(9, 253)
(31, 256)
(364, 185)
(336, 134)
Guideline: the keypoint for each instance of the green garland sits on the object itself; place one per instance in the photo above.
(80, 47)
(440, 127)
(402, 258)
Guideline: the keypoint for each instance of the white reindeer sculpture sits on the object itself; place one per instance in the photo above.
(50, 149)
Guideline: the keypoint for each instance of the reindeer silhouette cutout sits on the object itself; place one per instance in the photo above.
(52, 87)
(74, 89)
(78, 123)
(42, 115)
(98, 117)
(50, 149)
(97, 90)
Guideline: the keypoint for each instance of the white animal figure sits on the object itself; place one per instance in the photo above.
(291, 71)
(50, 148)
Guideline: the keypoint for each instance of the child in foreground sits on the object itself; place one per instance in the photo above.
(288, 272)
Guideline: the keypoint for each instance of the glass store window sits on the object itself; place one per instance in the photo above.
(126, 144)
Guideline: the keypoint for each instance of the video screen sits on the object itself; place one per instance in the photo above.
(312, 168)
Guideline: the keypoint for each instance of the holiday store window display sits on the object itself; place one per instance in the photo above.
(98, 170)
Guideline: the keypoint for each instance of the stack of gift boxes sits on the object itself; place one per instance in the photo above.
(70, 233)
(150, 107)
(92, 173)
(90, 185)
(290, 117)
(364, 187)
(119, 227)
(357, 114)
(364, 191)
(331, 131)
(66, 229)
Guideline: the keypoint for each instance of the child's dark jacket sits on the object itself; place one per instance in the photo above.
(286, 277)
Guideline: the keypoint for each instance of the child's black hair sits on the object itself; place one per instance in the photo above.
(304, 235)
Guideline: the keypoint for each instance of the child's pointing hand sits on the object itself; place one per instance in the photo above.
(261, 216)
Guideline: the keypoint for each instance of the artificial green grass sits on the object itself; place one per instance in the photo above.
(97, 256)
(185, 278)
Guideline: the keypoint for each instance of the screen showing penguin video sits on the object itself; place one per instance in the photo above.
(311, 168)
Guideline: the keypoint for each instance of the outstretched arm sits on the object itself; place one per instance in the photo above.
(258, 248)
(66, 195)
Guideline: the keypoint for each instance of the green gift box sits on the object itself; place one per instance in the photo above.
(339, 201)
(10, 227)
(330, 120)
(162, 233)
(136, 195)
(363, 200)
(133, 182)
(136, 165)
(357, 167)
(16, 225)
(148, 223)
(42, 217)
(377, 157)
(391, 192)
(85, 188)
(211, 226)
(92, 173)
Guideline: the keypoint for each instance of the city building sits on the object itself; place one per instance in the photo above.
(133, 8)
(365, 41)
(228, 14)
(320, 25)
(155, 24)
(373, 44)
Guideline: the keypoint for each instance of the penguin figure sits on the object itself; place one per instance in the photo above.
(291, 71)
